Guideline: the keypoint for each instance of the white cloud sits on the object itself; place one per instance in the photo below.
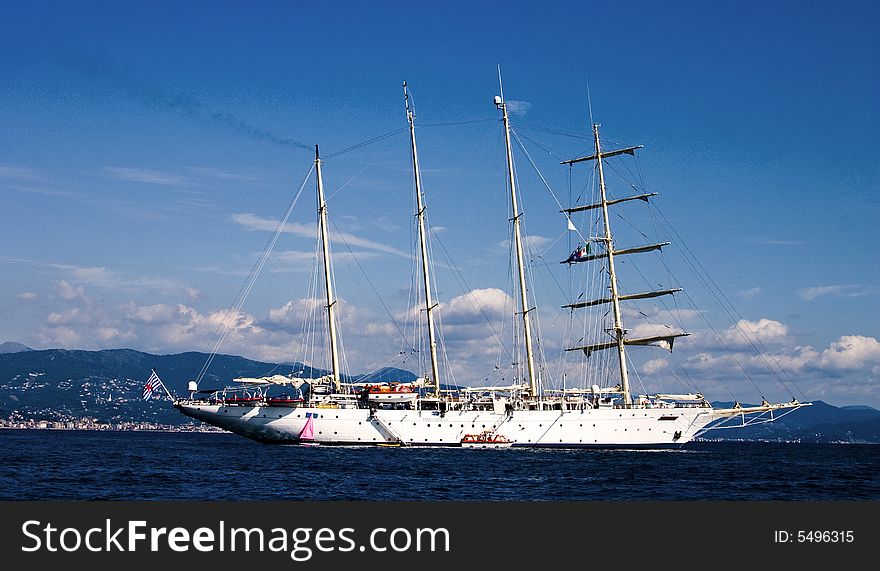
(654, 366)
(20, 173)
(225, 174)
(851, 352)
(67, 291)
(764, 330)
(847, 371)
(145, 175)
(750, 293)
(847, 291)
(159, 313)
(256, 224)
(518, 107)
(94, 275)
(533, 243)
(102, 277)
(476, 306)
(27, 296)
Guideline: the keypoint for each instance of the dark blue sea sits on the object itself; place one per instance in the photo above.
(91, 465)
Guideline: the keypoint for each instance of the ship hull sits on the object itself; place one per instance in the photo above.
(589, 428)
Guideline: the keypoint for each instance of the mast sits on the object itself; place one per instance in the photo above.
(615, 297)
(328, 281)
(423, 244)
(620, 340)
(517, 237)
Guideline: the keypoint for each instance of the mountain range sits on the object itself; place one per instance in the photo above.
(59, 384)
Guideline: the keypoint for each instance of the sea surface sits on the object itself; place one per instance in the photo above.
(93, 465)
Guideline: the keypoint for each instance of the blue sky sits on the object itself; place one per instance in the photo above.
(147, 147)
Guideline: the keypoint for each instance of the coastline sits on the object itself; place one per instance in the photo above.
(92, 425)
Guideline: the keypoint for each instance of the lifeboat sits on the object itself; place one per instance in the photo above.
(486, 439)
(393, 393)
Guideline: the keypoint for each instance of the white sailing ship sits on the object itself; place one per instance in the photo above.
(334, 411)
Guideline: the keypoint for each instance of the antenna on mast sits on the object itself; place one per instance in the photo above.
(410, 110)
(589, 100)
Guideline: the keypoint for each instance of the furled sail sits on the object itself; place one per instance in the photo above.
(627, 151)
(642, 295)
(664, 341)
(636, 250)
(609, 202)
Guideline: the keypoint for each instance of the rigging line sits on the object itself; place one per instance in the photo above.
(349, 181)
(541, 176)
(631, 225)
(462, 282)
(249, 283)
(539, 127)
(545, 148)
(730, 307)
(632, 182)
(542, 361)
(369, 282)
(364, 143)
(369, 374)
(718, 335)
(548, 248)
(449, 123)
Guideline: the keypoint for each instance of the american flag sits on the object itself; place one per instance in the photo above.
(153, 383)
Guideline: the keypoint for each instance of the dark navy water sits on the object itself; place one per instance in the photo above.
(86, 465)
